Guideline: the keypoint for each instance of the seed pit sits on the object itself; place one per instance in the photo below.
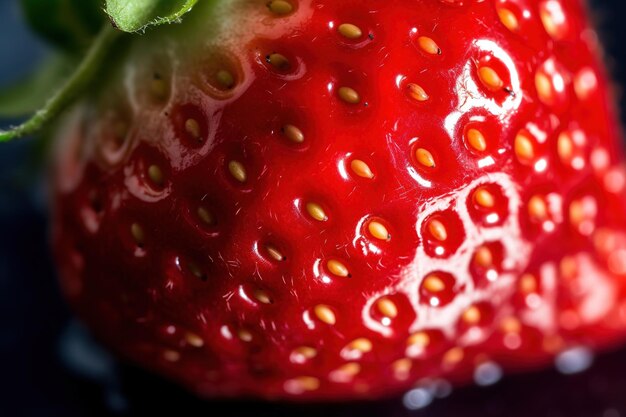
(438, 289)
(113, 134)
(195, 270)
(222, 74)
(190, 124)
(393, 311)
(443, 234)
(487, 205)
(476, 315)
(486, 263)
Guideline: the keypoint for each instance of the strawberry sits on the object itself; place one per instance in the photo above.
(324, 200)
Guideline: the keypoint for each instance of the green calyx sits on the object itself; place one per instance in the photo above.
(79, 28)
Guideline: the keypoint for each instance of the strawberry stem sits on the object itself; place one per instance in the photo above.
(70, 91)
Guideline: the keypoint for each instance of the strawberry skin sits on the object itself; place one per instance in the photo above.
(324, 200)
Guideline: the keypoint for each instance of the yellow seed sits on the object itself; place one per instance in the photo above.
(510, 325)
(428, 45)
(544, 87)
(293, 133)
(490, 78)
(484, 257)
(158, 88)
(484, 198)
(361, 344)
(337, 268)
(156, 175)
(437, 230)
(274, 253)
(537, 208)
(361, 169)
(524, 148)
(565, 147)
(193, 128)
(350, 31)
(471, 315)
(378, 230)
(349, 95)
(387, 307)
(225, 79)
(137, 233)
(237, 170)
(244, 335)
(420, 339)
(306, 352)
(476, 140)
(302, 383)
(316, 211)
(417, 92)
(432, 283)
(453, 356)
(425, 158)
(349, 369)
(325, 314)
(528, 284)
(576, 212)
(171, 355)
(280, 7)
(549, 24)
(262, 296)
(585, 83)
(552, 344)
(508, 19)
(195, 270)
(568, 267)
(194, 340)
(206, 216)
(402, 367)
(278, 61)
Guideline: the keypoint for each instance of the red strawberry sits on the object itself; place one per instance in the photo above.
(323, 199)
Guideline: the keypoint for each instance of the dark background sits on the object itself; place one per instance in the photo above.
(50, 367)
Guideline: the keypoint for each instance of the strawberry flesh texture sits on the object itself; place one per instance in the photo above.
(198, 297)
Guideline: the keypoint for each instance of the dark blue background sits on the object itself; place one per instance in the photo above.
(49, 367)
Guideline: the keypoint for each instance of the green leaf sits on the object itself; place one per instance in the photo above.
(73, 87)
(68, 24)
(137, 15)
(31, 94)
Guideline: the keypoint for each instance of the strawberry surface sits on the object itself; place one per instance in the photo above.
(314, 200)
